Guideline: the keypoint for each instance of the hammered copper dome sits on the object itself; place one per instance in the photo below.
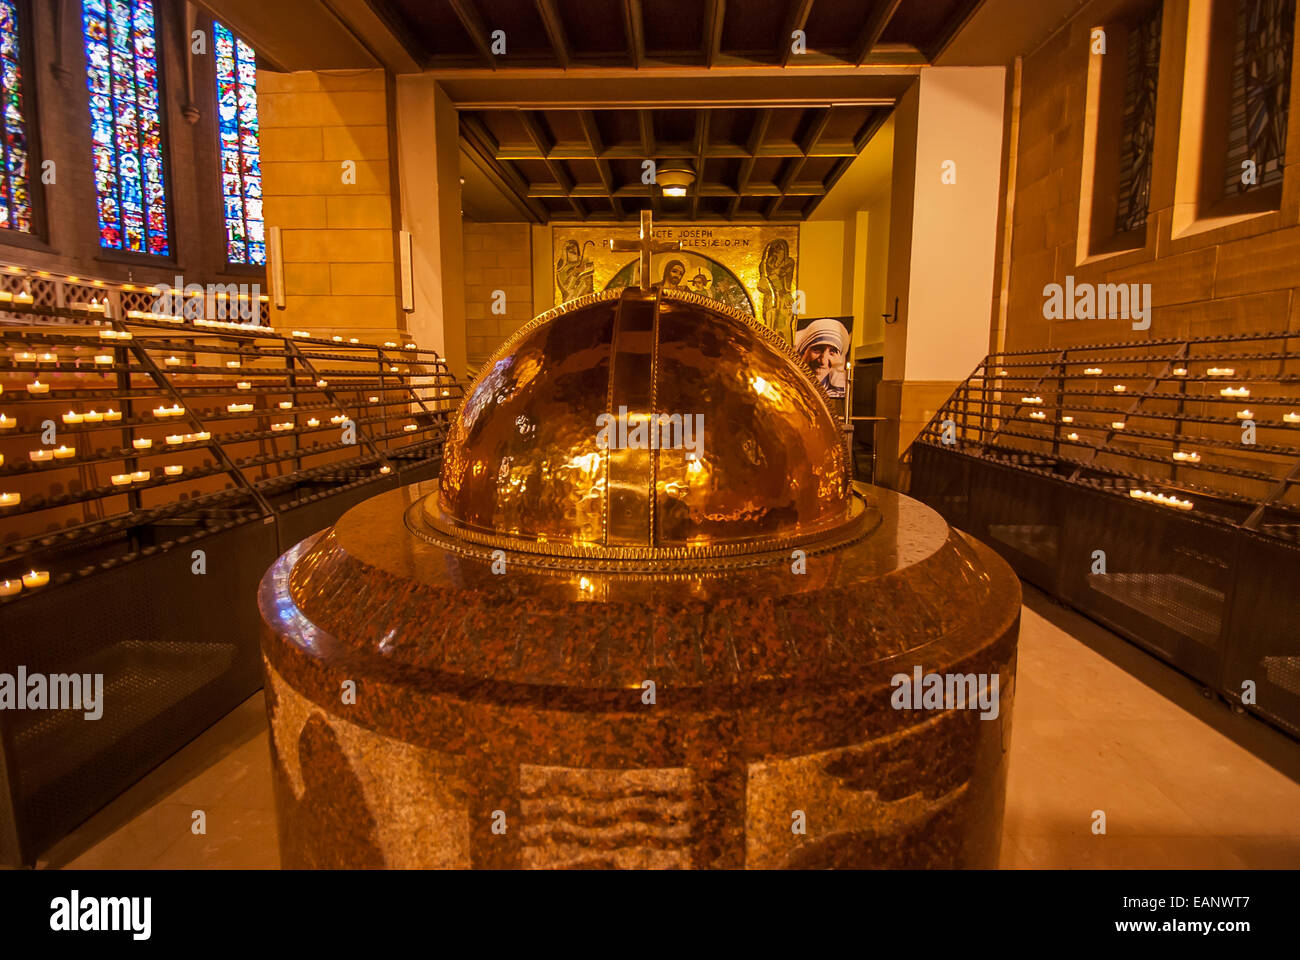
(524, 467)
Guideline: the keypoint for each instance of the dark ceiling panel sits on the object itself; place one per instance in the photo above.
(927, 24)
(525, 32)
(672, 26)
(592, 29)
(756, 28)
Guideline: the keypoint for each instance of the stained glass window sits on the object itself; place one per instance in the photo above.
(15, 196)
(1261, 92)
(241, 169)
(126, 127)
(1138, 124)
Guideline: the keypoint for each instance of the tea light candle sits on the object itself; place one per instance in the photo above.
(25, 357)
(10, 587)
(446, 393)
(390, 344)
(103, 358)
(412, 346)
(354, 340)
(287, 425)
(1180, 371)
(120, 479)
(173, 361)
(93, 416)
(392, 369)
(1064, 419)
(337, 339)
(1092, 372)
(1031, 399)
(374, 399)
(1245, 415)
(7, 423)
(140, 476)
(1073, 436)
(1039, 415)
(48, 358)
(339, 419)
(6, 296)
(286, 404)
(37, 387)
(172, 411)
(233, 364)
(111, 414)
(313, 422)
(1187, 456)
(1234, 392)
(10, 499)
(244, 385)
(322, 383)
(22, 296)
(1119, 388)
(385, 469)
(1220, 371)
(173, 470)
(409, 427)
(1288, 417)
(301, 333)
(239, 407)
(36, 578)
(142, 443)
(200, 437)
(174, 438)
(1117, 425)
(72, 417)
(40, 456)
(63, 453)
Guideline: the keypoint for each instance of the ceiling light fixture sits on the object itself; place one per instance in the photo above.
(674, 176)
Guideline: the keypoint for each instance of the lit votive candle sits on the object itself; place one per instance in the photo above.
(374, 399)
(1065, 419)
(72, 417)
(385, 469)
(40, 456)
(10, 587)
(301, 333)
(1092, 372)
(25, 357)
(142, 443)
(175, 438)
(233, 364)
(244, 385)
(140, 476)
(1220, 371)
(337, 339)
(339, 419)
(313, 422)
(1073, 436)
(173, 361)
(1186, 456)
(36, 578)
(1180, 371)
(1119, 388)
(392, 369)
(287, 425)
(1234, 392)
(22, 297)
(7, 423)
(37, 387)
(446, 393)
(200, 437)
(93, 416)
(409, 427)
(1117, 425)
(390, 344)
(103, 358)
(322, 383)
(48, 358)
(120, 479)
(64, 453)
(1039, 415)
(173, 470)
(6, 296)
(412, 346)
(239, 407)
(1245, 414)
(10, 499)
(286, 404)
(111, 414)
(1288, 417)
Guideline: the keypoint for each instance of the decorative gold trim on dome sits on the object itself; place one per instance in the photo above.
(425, 520)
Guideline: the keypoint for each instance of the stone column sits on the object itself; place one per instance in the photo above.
(943, 236)
(428, 152)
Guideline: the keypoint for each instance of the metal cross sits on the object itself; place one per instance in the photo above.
(645, 245)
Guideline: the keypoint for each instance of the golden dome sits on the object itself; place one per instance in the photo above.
(643, 427)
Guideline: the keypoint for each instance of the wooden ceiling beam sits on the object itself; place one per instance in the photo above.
(701, 144)
(591, 130)
(554, 27)
(480, 146)
(467, 13)
(796, 19)
(872, 30)
(715, 12)
(634, 31)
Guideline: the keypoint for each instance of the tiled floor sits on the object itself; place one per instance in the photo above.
(1098, 725)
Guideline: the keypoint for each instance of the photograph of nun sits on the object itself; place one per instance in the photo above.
(823, 344)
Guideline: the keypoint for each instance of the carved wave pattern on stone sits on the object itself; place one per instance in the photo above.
(621, 819)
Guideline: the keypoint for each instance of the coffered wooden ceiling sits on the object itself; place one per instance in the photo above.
(772, 163)
(456, 34)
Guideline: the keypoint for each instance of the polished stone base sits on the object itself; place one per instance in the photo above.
(426, 711)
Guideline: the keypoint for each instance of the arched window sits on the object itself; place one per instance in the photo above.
(241, 168)
(15, 188)
(126, 125)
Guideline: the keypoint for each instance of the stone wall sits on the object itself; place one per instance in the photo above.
(498, 256)
(1240, 276)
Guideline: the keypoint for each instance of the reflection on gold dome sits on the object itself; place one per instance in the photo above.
(526, 467)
